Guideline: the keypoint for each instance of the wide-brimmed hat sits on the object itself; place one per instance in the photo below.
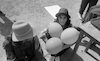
(21, 31)
(63, 11)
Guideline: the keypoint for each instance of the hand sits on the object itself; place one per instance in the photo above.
(80, 17)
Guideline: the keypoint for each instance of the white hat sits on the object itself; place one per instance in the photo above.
(21, 31)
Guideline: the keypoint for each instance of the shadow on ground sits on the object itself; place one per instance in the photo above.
(5, 28)
(70, 56)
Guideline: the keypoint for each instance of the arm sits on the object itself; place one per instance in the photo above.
(43, 35)
(7, 45)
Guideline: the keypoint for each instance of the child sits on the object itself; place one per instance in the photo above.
(63, 18)
(23, 45)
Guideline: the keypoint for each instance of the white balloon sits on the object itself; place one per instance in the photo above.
(54, 45)
(55, 29)
(69, 36)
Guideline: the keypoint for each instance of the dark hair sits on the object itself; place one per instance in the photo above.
(68, 17)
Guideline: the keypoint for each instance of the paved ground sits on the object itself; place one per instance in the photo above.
(33, 12)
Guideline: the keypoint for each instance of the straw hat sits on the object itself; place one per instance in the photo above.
(21, 31)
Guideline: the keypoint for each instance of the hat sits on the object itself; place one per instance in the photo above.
(63, 11)
(21, 31)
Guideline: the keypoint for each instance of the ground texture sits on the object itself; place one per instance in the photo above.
(33, 11)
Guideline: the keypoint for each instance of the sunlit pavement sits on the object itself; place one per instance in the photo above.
(33, 11)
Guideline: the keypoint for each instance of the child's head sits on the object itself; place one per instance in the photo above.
(21, 31)
(63, 16)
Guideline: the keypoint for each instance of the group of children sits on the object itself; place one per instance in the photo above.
(23, 45)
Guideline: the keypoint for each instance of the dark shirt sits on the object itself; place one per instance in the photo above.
(21, 50)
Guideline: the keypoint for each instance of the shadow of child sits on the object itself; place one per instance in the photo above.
(67, 56)
(5, 28)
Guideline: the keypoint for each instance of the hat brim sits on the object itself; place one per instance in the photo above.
(16, 38)
(62, 13)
